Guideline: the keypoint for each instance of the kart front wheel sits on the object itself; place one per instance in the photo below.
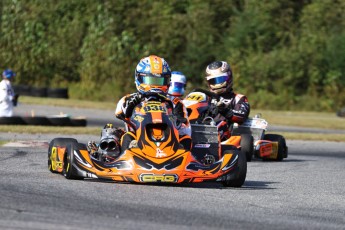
(282, 148)
(69, 170)
(237, 180)
(57, 142)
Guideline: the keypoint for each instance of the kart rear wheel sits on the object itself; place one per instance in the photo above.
(240, 176)
(247, 146)
(69, 171)
(58, 142)
(282, 148)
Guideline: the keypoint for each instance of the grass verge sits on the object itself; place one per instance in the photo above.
(302, 119)
(67, 102)
(49, 129)
(312, 136)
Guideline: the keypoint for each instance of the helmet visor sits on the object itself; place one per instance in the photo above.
(217, 79)
(159, 81)
(176, 88)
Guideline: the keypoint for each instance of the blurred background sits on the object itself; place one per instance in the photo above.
(285, 54)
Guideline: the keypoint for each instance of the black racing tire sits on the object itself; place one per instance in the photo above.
(282, 148)
(15, 120)
(38, 91)
(57, 93)
(60, 121)
(247, 146)
(79, 122)
(69, 171)
(341, 112)
(23, 90)
(238, 180)
(44, 121)
(60, 141)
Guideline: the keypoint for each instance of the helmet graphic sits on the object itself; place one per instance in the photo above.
(219, 77)
(152, 74)
(177, 84)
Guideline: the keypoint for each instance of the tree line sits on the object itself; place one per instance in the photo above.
(287, 54)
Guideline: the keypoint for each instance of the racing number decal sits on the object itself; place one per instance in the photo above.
(196, 97)
(154, 108)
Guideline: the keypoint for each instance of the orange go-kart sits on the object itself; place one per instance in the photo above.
(201, 110)
(155, 154)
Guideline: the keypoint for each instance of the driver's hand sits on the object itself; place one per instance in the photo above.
(221, 105)
(134, 100)
(224, 109)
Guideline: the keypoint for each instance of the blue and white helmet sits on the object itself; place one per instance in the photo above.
(177, 84)
(152, 74)
(8, 74)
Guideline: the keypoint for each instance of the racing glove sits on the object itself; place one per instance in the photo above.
(179, 114)
(131, 103)
(224, 110)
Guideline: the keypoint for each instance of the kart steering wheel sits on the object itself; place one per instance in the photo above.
(158, 96)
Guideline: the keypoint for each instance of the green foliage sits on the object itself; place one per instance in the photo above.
(284, 54)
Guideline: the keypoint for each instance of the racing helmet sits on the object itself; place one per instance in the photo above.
(152, 74)
(219, 77)
(8, 74)
(177, 84)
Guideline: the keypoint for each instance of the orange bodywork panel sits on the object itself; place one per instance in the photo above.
(267, 149)
(233, 140)
(134, 166)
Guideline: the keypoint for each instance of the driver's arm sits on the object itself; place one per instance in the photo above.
(241, 109)
(120, 108)
(180, 111)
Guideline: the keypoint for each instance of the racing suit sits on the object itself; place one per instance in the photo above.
(232, 108)
(7, 97)
(126, 106)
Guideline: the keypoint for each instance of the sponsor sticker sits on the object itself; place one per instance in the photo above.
(160, 153)
(202, 145)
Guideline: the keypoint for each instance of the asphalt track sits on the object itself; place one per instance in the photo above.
(305, 191)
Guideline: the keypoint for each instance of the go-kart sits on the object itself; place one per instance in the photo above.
(201, 108)
(155, 154)
(266, 146)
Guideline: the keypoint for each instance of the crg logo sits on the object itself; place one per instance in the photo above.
(169, 178)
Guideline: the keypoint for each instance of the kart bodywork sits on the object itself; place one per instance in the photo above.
(155, 154)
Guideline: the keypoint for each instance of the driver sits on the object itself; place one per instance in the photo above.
(178, 83)
(152, 75)
(232, 107)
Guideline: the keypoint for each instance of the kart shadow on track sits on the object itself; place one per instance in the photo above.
(277, 162)
(258, 185)
(248, 185)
